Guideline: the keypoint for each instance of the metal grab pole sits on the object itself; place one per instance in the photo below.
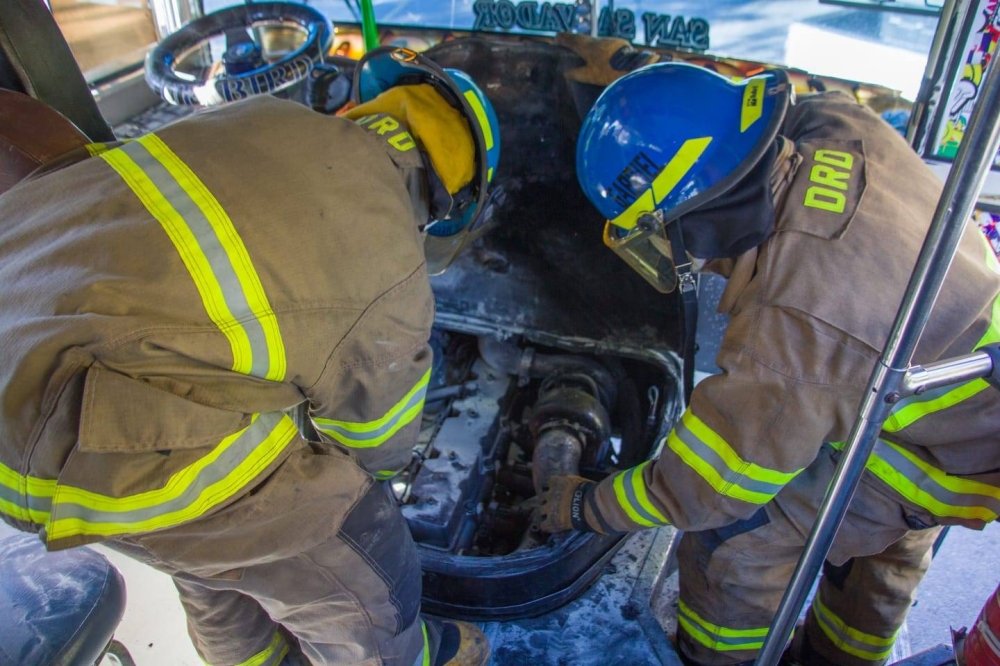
(975, 156)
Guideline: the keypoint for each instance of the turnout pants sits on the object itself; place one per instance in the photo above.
(732, 578)
(317, 558)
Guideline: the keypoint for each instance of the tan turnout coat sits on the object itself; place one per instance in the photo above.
(164, 300)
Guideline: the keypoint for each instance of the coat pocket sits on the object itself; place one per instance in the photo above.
(125, 415)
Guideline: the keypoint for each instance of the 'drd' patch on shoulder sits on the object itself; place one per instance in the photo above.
(828, 188)
(389, 130)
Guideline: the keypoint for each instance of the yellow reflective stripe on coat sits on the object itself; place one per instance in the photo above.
(211, 249)
(664, 183)
(373, 433)
(189, 493)
(848, 639)
(25, 498)
(928, 487)
(630, 490)
(269, 656)
(714, 637)
(909, 410)
(714, 460)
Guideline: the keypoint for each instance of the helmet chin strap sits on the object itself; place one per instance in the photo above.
(687, 284)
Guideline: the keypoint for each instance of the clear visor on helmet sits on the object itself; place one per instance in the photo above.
(646, 249)
(445, 238)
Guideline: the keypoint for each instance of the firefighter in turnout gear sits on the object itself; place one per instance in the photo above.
(815, 212)
(167, 300)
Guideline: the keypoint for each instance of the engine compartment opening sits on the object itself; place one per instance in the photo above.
(500, 418)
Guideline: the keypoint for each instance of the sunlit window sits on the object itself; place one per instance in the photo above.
(105, 35)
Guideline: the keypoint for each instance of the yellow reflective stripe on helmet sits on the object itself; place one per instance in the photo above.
(484, 122)
(211, 249)
(720, 466)
(753, 104)
(715, 637)
(848, 639)
(664, 183)
(374, 433)
(25, 498)
(630, 490)
(928, 487)
(189, 493)
(269, 656)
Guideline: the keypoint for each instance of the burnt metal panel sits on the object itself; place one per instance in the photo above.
(544, 267)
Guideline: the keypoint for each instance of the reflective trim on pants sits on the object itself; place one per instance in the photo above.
(716, 637)
(271, 655)
(424, 658)
(848, 639)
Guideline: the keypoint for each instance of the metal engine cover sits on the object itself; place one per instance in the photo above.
(449, 486)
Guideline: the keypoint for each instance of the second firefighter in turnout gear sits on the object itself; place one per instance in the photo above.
(166, 301)
(815, 212)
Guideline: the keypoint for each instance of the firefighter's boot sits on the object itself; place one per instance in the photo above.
(459, 643)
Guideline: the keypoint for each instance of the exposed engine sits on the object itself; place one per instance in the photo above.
(499, 420)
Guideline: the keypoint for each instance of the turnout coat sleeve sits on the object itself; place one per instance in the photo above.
(747, 433)
(370, 395)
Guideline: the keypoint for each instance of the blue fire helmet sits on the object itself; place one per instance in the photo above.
(666, 139)
(389, 66)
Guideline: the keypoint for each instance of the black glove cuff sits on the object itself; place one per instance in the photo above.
(580, 495)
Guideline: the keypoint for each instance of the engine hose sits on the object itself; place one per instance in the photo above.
(557, 451)
(511, 359)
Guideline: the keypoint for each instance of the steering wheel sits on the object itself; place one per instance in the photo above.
(238, 52)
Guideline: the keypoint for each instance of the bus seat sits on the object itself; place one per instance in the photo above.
(58, 609)
(31, 133)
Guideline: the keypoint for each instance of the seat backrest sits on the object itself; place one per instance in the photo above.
(31, 134)
(35, 59)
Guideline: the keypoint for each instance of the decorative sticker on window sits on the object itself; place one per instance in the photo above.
(664, 30)
(980, 49)
(990, 224)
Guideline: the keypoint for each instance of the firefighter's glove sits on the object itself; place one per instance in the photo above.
(438, 128)
(567, 504)
(607, 59)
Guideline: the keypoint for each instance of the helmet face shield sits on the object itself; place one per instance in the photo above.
(668, 139)
(446, 238)
(646, 248)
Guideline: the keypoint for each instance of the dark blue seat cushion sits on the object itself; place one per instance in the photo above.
(56, 608)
